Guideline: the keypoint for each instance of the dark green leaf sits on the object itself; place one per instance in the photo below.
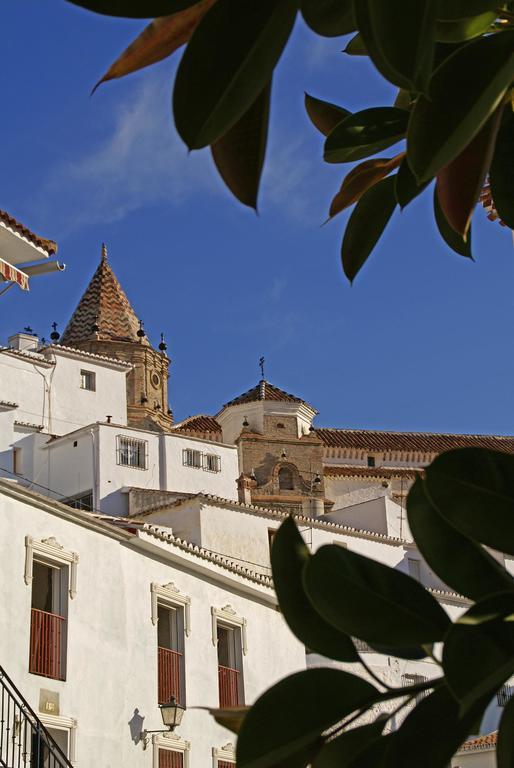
(372, 601)
(464, 29)
(505, 748)
(136, 9)
(474, 573)
(479, 657)
(290, 717)
(324, 115)
(399, 38)
(365, 133)
(230, 718)
(368, 220)
(473, 488)
(460, 9)
(502, 172)
(239, 154)
(436, 721)
(449, 235)
(356, 46)
(407, 188)
(464, 91)
(329, 17)
(289, 556)
(227, 64)
(343, 751)
(414, 652)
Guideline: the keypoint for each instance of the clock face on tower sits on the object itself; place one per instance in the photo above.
(155, 380)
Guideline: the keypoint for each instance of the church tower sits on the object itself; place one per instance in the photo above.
(105, 323)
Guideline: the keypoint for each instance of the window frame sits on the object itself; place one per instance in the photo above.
(226, 754)
(192, 452)
(131, 442)
(68, 724)
(206, 457)
(86, 376)
(170, 741)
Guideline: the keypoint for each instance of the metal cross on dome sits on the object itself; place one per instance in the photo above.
(261, 366)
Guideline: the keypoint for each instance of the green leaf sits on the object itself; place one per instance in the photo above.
(365, 133)
(505, 748)
(460, 9)
(461, 30)
(324, 115)
(230, 718)
(239, 154)
(436, 721)
(227, 64)
(399, 38)
(449, 235)
(368, 220)
(479, 657)
(474, 573)
(289, 555)
(406, 187)
(289, 718)
(356, 46)
(136, 9)
(329, 18)
(464, 91)
(473, 488)
(372, 601)
(501, 174)
(413, 652)
(343, 751)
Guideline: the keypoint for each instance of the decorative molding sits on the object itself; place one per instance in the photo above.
(228, 616)
(170, 594)
(51, 550)
(64, 723)
(227, 753)
(170, 740)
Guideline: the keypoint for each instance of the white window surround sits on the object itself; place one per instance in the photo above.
(66, 724)
(169, 594)
(227, 615)
(51, 550)
(227, 753)
(170, 741)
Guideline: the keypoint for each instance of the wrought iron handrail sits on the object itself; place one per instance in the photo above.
(24, 740)
(228, 680)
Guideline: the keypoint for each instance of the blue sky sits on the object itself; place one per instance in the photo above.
(423, 339)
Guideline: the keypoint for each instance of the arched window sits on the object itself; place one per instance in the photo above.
(285, 479)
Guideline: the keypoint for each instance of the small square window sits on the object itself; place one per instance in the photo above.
(211, 462)
(132, 452)
(192, 458)
(88, 380)
(371, 461)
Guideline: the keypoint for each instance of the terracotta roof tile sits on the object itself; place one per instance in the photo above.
(422, 442)
(199, 423)
(41, 242)
(349, 471)
(264, 391)
(105, 305)
(481, 742)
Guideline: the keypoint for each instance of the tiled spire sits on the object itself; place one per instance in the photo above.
(103, 313)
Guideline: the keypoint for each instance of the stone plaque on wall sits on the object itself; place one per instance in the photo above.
(48, 702)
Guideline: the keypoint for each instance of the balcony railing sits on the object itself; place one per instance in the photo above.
(170, 759)
(229, 686)
(169, 664)
(47, 634)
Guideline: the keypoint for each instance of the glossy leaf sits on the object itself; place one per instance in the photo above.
(345, 749)
(479, 657)
(455, 241)
(413, 652)
(371, 601)
(356, 46)
(365, 133)
(465, 90)
(366, 224)
(157, 41)
(399, 38)
(460, 182)
(329, 18)
(459, 9)
(474, 573)
(473, 488)
(136, 9)
(324, 115)
(505, 748)
(290, 717)
(289, 556)
(502, 172)
(406, 187)
(244, 41)
(239, 154)
(360, 179)
(460, 30)
(436, 722)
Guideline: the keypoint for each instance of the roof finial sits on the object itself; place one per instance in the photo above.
(261, 366)
(104, 251)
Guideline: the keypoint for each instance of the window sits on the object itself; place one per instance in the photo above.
(285, 479)
(224, 757)
(48, 620)
(170, 654)
(63, 732)
(88, 380)
(371, 461)
(192, 458)
(414, 568)
(271, 536)
(132, 452)
(16, 461)
(82, 501)
(170, 751)
(211, 462)
(503, 695)
(229, 635)
(168, 758)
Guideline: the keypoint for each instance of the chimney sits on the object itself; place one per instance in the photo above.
(23, 342)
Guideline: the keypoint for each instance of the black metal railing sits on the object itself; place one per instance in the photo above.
(24, 740)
